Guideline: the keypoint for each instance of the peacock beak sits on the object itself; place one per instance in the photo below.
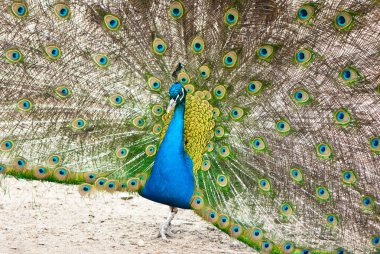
(171, 105)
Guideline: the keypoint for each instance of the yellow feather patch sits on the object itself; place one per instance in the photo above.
(198, 128)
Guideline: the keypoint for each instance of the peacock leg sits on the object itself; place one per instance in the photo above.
(165, 228)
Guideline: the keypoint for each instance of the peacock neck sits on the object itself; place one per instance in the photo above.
(174, 141)
(172, 180)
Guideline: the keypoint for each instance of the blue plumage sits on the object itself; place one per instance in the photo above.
(172, 178)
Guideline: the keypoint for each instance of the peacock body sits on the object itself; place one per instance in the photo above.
(272, 132)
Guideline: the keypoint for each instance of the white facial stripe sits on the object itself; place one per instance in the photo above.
(183, 93)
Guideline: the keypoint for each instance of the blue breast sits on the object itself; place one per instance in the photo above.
(172, 178)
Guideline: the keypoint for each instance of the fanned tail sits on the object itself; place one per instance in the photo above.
(292, 164)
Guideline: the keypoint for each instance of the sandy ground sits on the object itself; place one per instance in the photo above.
(37, 217)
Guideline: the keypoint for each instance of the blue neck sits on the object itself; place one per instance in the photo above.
(173, 140)
(172, 180)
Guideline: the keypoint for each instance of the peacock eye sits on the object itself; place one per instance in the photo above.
(265, 52)
(198, 45)
(61, 10)
(13, 55)
(322, 193)
(303, 56)
(53, 52)
(230, 59)
(101, 60)
(301, 97)
(306, 13)
(176, 10)
(111, 22)
(159, 46)
(343, 21)
(19, 10)
(231, 17)
(350, 76)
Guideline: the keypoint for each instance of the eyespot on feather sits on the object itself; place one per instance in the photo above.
(154, 84)
(259, 144)
(224, 151)
(222, 180)
(159, 46)
(111, 22)
(61, 173)
(19, 9)
(343, 21)
(236, 113)
(150, 150)
(139, 122)
(235, 230)
(264, 185)
(61, 10)
(6, 145)
(254, 87)
(62, 92)
(230, 59)
(296, 175)
(189, 88)
(301, 97)
(133, 184)
(266, 246)
(324, 151)
(219, 92)
(158, 110)
(206, 164)
(85, 189)
(223, 221)
(176, 10)
(306, 13)
(100, 183)
(231, 17)
(322, 193)
(53, 52)
(20, 164)
(157, 129)
(286, 209)
(350, 76)
(24, 105)
(122, 152)
(331, 220)
(342, 117)
(54, 160)
(255, 234)
(116, 100)
(374, 145)
(205, 71)
(198, 45)
(101, 60)
(41, 172)
(282, 127)
(13, 55)
(287, 248)
(265, 52)
(111, 186)
(183, 78)
(197, 202)
(78, 124)
(3, 169)
(90, 177)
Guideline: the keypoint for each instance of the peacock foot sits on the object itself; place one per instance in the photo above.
(165, 229)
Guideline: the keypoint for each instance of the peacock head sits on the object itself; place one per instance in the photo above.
(177, 94)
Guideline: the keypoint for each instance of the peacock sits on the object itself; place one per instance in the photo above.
(262, 116)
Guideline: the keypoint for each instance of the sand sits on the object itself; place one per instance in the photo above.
(40, 217)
